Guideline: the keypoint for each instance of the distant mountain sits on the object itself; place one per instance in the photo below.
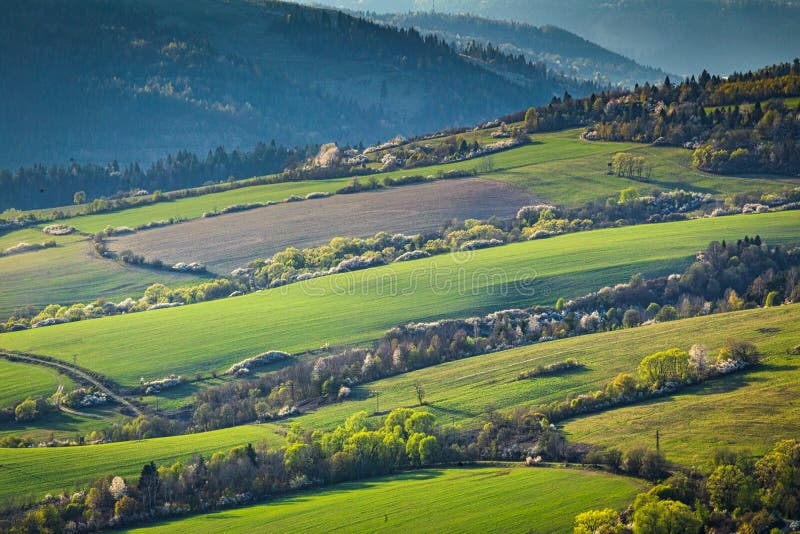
(557, 48)
(132, 80)
(683, 36)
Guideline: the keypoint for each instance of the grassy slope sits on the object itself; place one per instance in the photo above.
(558, 167)
(19, 381)
(72, 273)
(461, 390)
(355, 307)
(432, 500)
(55, 469)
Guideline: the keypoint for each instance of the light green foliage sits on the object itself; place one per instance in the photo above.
(441, 500)
(354, 307)
(667, 366)
(665, 517)
(605, 521)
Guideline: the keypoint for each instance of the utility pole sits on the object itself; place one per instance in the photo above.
(658, 441)
(75, 360)
(377, 395)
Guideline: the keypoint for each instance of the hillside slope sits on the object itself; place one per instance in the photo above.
(557, 48)
(683, 36)
(133, 80)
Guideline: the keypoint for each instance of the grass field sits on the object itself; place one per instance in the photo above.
(359, 306)
(62, 425)
(558, 168)
(262, 232)
(745, 413)
(460, 392)
(19, 381)
(480, 499)
(72, 273)
(54, 469)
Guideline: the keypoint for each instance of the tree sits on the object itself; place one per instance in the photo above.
(728, 489)
(531, 120)
(428, 450)
(118, 488)
(666, 366)
(604, 521)
(126, 506)
(631, 318)
(773, 299)
(26, 410)
(149, 485)
(665, 517)
(667, 313)
(79, 197)
(652, 310)
(420, 391)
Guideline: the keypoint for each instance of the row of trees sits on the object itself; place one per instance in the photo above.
(359, 448)
(740, 495)
(42, 186)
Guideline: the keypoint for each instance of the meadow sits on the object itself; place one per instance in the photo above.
(745, 413)
(70, 273)
(429, 500)
(68, 468)
(19, 381)
(460, 392)
(262, 232)
(360, 306)
(557, 167)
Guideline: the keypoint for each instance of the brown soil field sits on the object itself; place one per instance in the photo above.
(231, 240)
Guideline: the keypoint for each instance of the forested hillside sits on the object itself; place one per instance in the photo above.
(557, 48)
(134, 80)
(683, 36)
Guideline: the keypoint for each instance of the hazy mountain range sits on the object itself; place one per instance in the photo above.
(683, 36)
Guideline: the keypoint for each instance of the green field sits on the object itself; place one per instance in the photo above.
(19, 381)
(73, 273)
(359, 306)
(459, 393)
(558, 168)
(480, 499)
(54, 469)
(745, 413)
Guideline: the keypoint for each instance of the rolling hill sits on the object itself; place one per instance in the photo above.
(359, 306)
(559, 49)
(683, 36)
(134, 80)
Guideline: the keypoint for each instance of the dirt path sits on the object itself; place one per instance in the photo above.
(82, 375)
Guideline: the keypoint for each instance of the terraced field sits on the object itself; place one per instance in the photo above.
(229, 241)
(431, 500)
(359, 306)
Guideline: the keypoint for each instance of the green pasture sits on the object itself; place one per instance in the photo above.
(360, 306)
(471, 499)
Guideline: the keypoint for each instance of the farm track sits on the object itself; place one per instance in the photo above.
(80, 374)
